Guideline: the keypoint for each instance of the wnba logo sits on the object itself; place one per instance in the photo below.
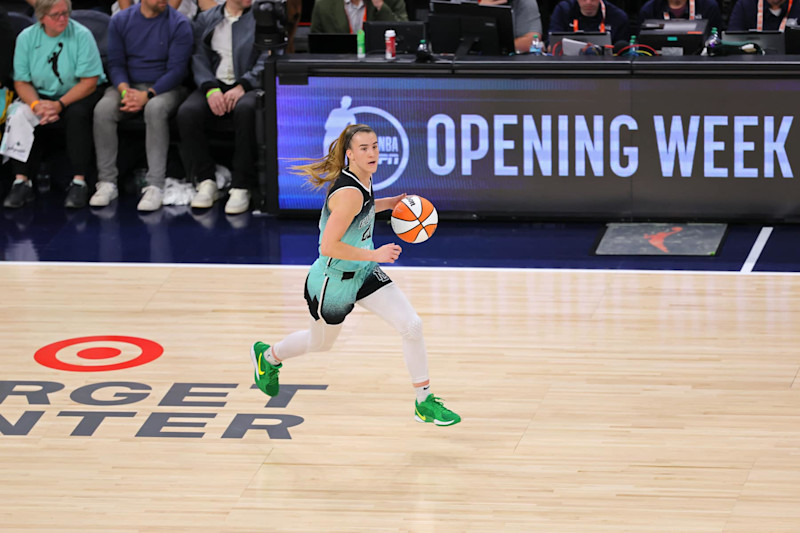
(392, 138)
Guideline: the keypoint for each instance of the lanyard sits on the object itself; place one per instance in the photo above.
(350, 26)
(760, 18)
(602, 21)
(691, 11)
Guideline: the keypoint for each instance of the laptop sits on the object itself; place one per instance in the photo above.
(771, 42)
(675, 37)
(409, 34)
(596, 38)
(332, 43)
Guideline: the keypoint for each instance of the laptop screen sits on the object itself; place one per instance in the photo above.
(332, 43)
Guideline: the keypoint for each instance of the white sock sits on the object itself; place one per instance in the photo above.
(79, 182)
(422, 393)
(270, 357)
(26, 182)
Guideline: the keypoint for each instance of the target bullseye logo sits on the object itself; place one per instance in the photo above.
(94, 354)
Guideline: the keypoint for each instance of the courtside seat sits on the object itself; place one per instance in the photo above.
(19, 21)
(97, 23)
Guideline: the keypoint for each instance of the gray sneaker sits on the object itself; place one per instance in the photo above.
(238, 202)
(20, 194)
(207, 194)
(105, 194)
(151, 199)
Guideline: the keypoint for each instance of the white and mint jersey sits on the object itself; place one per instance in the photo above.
(359, 234)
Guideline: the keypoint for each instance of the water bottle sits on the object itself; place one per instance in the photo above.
(536, 46)
(361, 47)
(632, 48)
(424, 54)
(714, 43)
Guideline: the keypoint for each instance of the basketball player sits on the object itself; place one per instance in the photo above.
(347, 272)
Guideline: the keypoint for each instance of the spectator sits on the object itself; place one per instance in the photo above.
(149, 47)
(774, 14)
(329, 17)
(189, 8)
(590, 15)
(527, 21)
(227, 68)
(57, 69)
(682, 9)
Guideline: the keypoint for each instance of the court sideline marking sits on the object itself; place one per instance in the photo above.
(393, 267)
(755, 251)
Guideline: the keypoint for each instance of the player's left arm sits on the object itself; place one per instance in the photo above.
(388, 203)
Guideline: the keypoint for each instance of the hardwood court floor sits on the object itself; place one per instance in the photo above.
(592, 401)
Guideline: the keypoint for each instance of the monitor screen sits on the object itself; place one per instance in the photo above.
(595, 38)
(463, 28)
(792, 39)
(408, 35)
(770, 42)
(674, 37)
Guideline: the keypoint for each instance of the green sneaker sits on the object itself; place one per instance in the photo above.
(266, 379)
(432, 410)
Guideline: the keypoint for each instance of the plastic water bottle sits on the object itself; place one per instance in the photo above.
(632, 49)
(424, 54)
(361, 49)
(536, 47)
(423, 47)
(713, 43)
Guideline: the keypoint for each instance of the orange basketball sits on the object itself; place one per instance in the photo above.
(414, 219)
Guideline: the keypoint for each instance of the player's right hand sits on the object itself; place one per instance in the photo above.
(388, 253)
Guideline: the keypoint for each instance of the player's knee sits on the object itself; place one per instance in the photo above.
(412, 329)
(322, 341)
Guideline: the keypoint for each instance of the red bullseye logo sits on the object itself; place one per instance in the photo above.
(96, 350)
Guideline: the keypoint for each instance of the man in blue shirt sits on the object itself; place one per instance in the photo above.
(149, 46)
(590, 15)
(775, 14)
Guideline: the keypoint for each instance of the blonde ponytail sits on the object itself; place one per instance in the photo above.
(324, 170)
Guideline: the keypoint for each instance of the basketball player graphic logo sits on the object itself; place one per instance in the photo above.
(53, 60)
(338, 119)
(657, 239)
(392, 138)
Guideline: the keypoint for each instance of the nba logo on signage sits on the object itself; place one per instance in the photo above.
(390, 150)
(392, 138)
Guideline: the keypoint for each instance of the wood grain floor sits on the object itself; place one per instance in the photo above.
(591, 402)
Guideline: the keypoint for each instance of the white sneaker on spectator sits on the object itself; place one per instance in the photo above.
(105, 193)
(207, 194)
(238, 202)
(151, 199)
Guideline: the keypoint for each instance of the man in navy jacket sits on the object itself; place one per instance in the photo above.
(682, 9)
(776, 14)
(227, 69)
(592, 16)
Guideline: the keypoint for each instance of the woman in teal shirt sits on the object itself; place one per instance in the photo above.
(57, 71)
